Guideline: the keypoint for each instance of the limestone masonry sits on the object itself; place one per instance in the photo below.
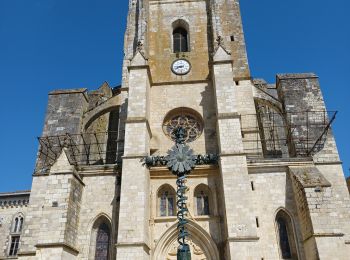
(278, 192)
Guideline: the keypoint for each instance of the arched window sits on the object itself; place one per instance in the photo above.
(166, 201)
(15, 235)
(202, 198)
(180, 40)
(17, 225)
(102, 242)
(286, 238)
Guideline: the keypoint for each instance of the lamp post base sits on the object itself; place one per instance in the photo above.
(183, 252)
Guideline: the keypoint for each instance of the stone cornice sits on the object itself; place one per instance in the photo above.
(24, 253)
(15, 193)
(182, 82)
(200, 171)
(63, 245)
(261, 165)
(14, 200)
(134, 156)
(218, 62)
(99, 170)
(70, 91)
(145, 246)
(233, 154)
(324, 235)
(243, 239)
(233, 115)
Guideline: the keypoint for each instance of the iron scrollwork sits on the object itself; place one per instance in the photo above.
(181, 160)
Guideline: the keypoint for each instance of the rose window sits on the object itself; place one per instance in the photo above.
(188, 119)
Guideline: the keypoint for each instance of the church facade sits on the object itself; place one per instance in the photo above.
(278, 191)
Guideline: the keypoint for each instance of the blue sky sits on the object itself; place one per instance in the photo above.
(55, 44)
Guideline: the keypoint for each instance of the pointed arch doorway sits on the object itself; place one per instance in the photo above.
(202, 245)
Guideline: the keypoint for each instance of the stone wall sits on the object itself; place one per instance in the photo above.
(198, 97)
(303, 104)
(100, 198)
(64, 112)
(161, 18)
(11, 205)
(272, 193)
(227, 23)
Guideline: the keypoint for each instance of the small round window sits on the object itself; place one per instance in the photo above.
(187, 118)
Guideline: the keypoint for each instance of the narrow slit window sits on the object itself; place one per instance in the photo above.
(180, 40)
(16, 225)
(284, 239)
(252, 184)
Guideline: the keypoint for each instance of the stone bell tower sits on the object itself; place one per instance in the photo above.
(186, 65)
(186, 58)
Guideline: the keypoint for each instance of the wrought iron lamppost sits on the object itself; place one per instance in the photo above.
(181, 161)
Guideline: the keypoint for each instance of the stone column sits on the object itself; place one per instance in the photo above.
(133, 231)
(240, 222)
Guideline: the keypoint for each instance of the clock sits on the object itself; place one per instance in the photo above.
(181, 67)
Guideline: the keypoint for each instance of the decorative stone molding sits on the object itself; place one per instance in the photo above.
(15, 199)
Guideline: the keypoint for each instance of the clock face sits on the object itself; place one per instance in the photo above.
(181, 67)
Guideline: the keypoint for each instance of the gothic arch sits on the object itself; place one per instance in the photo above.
(166, 185)
(111, 104)
(269, 102)
(273, 128)
(197, 234)
(94, 225)
(292, 234)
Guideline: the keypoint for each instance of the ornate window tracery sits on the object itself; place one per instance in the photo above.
(187, 118)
